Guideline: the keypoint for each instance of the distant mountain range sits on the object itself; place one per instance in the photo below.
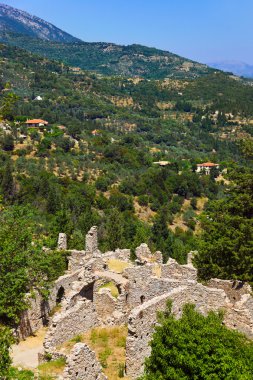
(33, 34)
(16, 21)
(235, 67)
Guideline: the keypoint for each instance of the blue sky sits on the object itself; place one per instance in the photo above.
(204, 30)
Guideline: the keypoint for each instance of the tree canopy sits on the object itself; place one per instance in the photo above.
(197, 347)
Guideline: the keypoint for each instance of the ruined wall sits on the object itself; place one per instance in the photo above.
(35, 317)
(233, 289)
(83, 365)
(118, 254)
(63, 285)
(180, 272)
(69, 323)
(105, 305)
(143, 284)
(77, 260)
(143, 319)
(91, 242)
(62, 242)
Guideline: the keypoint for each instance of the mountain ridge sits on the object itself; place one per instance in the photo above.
(236, 67)
(18, 21)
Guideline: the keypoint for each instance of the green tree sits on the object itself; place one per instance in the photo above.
(197, 347)
(6, 340)
(23, 265)
(8, 182)
(8, 104)
(225, 250)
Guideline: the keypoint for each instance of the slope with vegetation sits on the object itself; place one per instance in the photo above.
(96, 164)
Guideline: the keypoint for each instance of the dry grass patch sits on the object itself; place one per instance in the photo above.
(117, 266)
(112, 287)
(109, 344)
(52, 369)
(157, 270)
(201, 202)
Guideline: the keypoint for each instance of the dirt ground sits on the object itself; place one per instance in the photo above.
(25, 354)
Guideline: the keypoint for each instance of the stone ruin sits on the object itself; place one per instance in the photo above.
(144, 287)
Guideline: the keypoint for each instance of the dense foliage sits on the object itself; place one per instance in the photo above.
(226, 249)
(23, 264)
(111, 59)
(197, 347)
(6, 340)
(121, 154)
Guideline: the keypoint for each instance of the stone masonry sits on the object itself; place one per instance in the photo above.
(82, 364)
(144, 287)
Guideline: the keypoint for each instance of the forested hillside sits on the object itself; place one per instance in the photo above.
(112, 59)
(122, 154)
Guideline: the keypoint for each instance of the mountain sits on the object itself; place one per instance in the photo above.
(20, 29)
(235, 67)
(13, 20)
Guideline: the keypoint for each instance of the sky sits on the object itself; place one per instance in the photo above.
(202, 30)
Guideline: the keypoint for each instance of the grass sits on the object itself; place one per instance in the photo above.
(55, 310)
(157, 270)
(109, 344)
(112, 287)
(51, 369)
(117, 266)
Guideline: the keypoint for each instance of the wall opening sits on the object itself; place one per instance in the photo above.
(60, 294)
(142, 299)
(88, 292)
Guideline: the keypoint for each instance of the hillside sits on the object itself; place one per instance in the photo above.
(20, 29)
(16, 21)
(111, 59)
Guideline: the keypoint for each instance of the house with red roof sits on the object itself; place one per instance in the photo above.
(36, 123)
(206, 167)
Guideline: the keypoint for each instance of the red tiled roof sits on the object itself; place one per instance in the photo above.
(208, 164)
(36, 121)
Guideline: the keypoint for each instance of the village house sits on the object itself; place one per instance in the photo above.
(206, 167)
(96, 132)
(162, 163)
(36, 123)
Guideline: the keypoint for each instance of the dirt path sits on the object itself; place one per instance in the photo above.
(25, 354)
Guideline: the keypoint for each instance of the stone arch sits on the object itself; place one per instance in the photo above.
(87, 292)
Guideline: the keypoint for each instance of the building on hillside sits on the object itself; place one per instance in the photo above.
(36, 123)
(206, 167)
(96, 132)
(39, 98)
(162, 163)
(62, 128)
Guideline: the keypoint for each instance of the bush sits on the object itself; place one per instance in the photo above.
(197, 347)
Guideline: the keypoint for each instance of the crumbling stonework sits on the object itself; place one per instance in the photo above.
(92, 241)
(144, 255)
(62, 242)
(83, 365)
(81, 318)
(35, 317)
(181, 272)
(143, 289)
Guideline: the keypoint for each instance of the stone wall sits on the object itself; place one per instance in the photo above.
(118, 254)
(35, 317)
(69, 323)
(181, 272)
(91, 242)
(83, 365)
(143, 319)
(143, 285)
